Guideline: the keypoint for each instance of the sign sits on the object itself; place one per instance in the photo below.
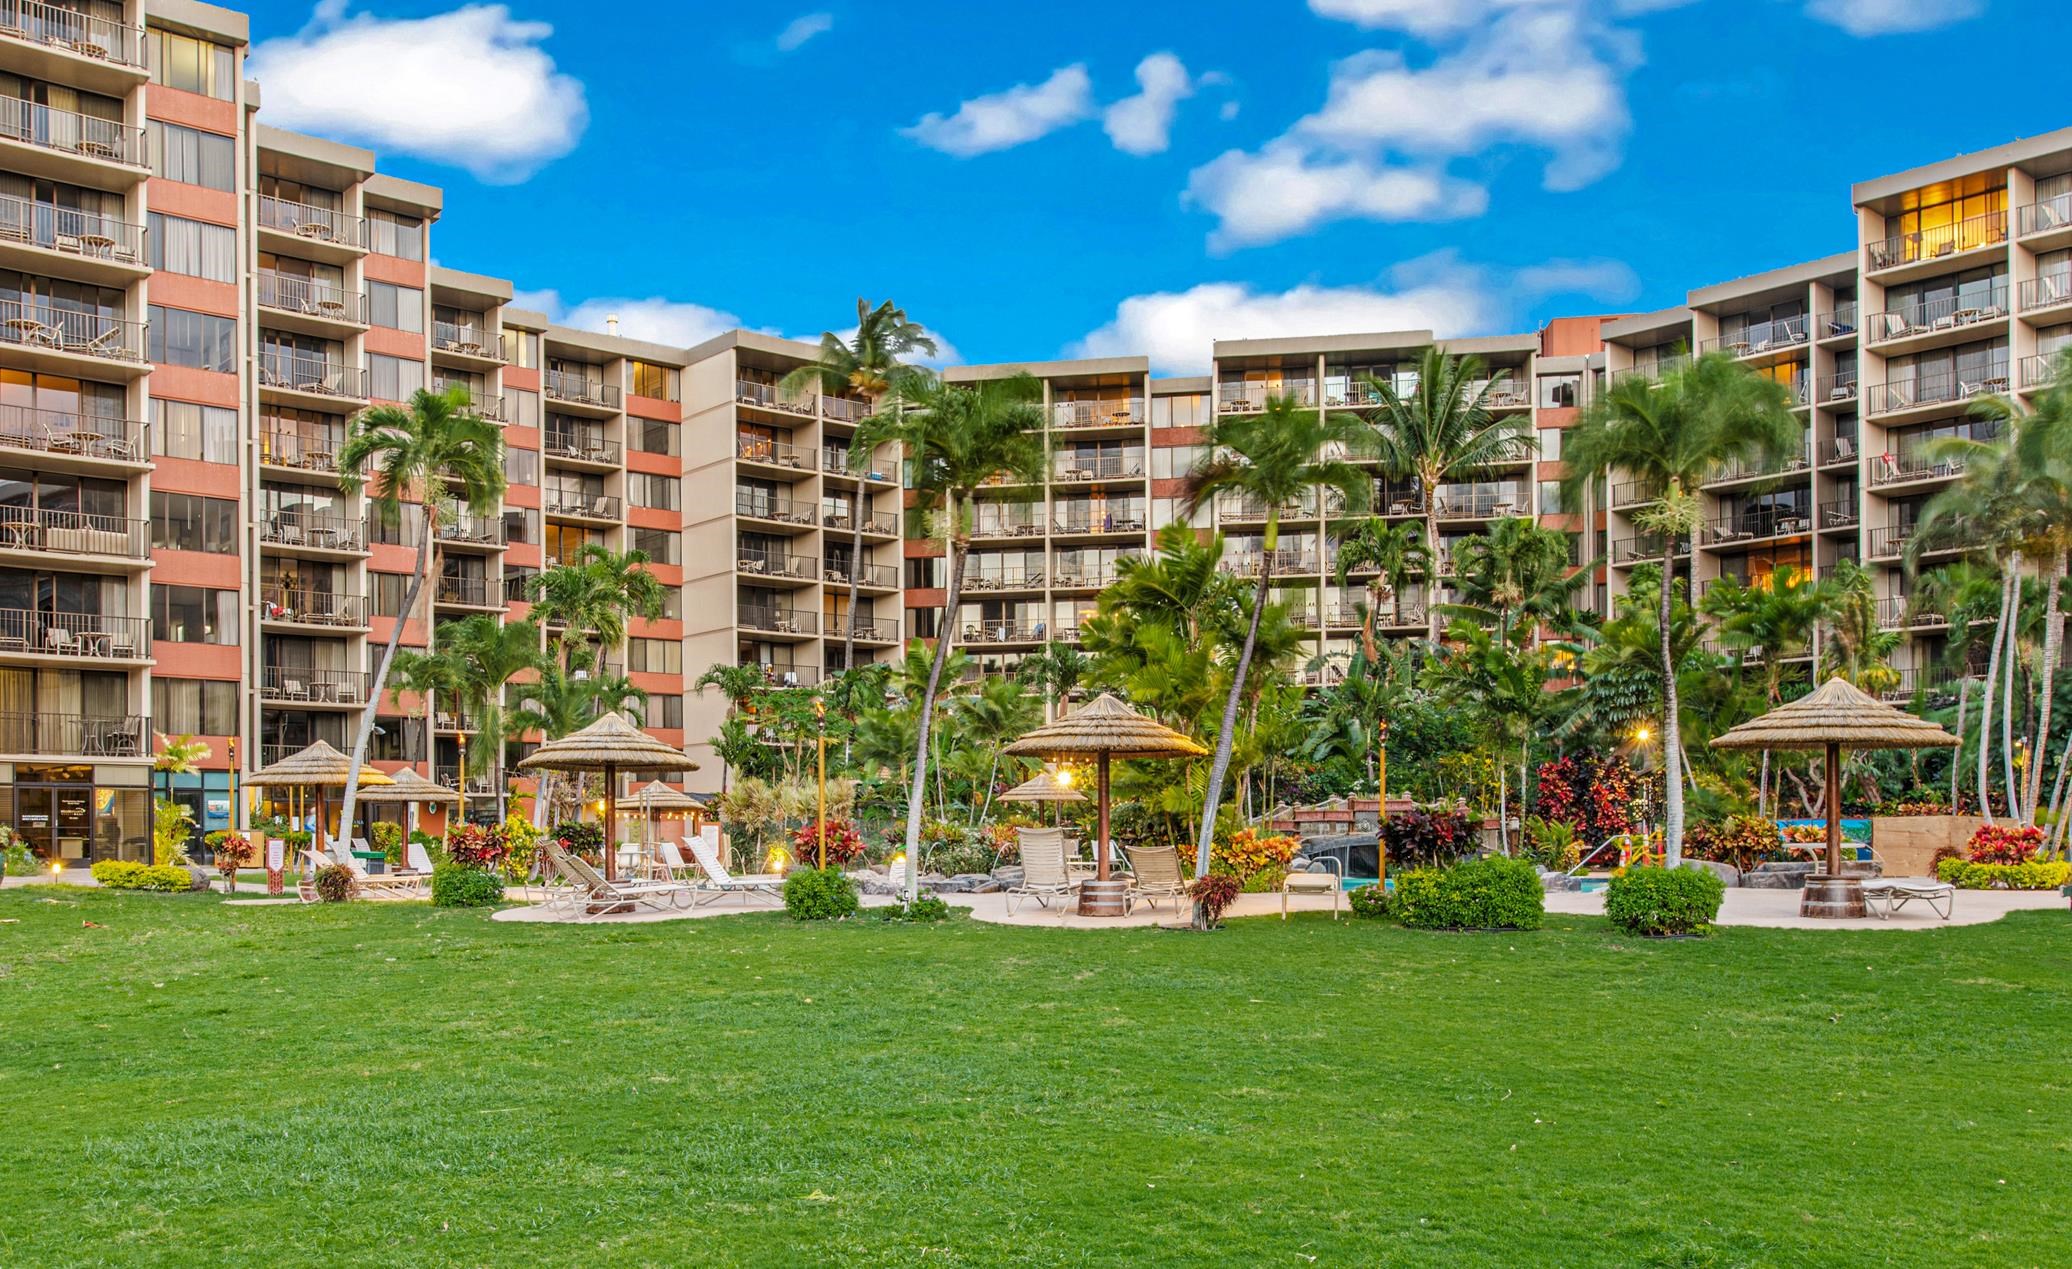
(275, 848)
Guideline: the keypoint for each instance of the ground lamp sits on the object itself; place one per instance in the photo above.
(1834, 718)
(608, 745)
(1104, 730)
(321, 768)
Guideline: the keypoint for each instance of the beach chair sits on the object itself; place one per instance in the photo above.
(1885, 895)
(718, 881)
(388, 885)
(1158, 876)
(1318, 877)
(599, 897)
(1044, 875)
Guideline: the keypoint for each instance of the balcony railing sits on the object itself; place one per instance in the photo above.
(779, 620)
(776, 675)
(586, 505)
(1898, 612)
(1122, 412)
(88, 235)
(1456, 505)
(1072, 574)
(34, 324)
(1750, 468)
(1068, 469)
(777, 565)
(290, 294)
(319, 529)
(783, 510)
(1837, 387)
(1937, 389)
(884, 524)
(1911, 463)
(300, 450)
(836, 459)
(584, 447)
(317, 375)
(314, 224)
(1760, 522)
(1840, 322)
(1762, 337)
(468, 592)
(1248, 512)
(79, 634)
(1005, 579)
(767, 395)
(2051, 213)
(489, 405)
(312, 607)
(74, 533)
(474, 530)
(2037, 372)
(80, 735)
(563, 386)
(1003, 631)
(865, 628)
(64, 432)
(1286, 560)
(1939, 241)
(1643, 548)
(1941, 313)
(1029, 525)
(468, 340)
(2048, 291)
(1842, 513)
(307, 685)
(1125, 518)
(102, 39)
(755, 449)
(1840, 449)
(874, 576)
(845, 409)
(1250, 397)
(69, 132)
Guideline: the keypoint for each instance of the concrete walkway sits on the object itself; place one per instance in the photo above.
(1779, 909)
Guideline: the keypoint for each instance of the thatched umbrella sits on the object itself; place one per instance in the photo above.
(1105, 729)
(656, 798)
(1043, 787)
(607, 745)
(318, 767)
(407, 788)
(1836, 717)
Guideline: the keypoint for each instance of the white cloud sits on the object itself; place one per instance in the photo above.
(1600, 279)
(1143, 124)
(1228, 111)
(676, 323)
(1289, 188)
(471, 87)
(803, 28)
(1002, 120)
(1889, 17)
(1446, 17)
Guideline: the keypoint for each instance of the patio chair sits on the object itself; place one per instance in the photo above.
(599, 897)
(1315, 877)
(718, 881)
(1044, 875)
(387, 885)
(1885, 895)
(1158, 876)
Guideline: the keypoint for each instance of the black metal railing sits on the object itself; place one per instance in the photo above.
(1003, 632)
(309, 607)
(1757, 522)
(777, 565)
(883, 524)
(75, 735)
(468, 592)
(322, 530)
(1761, 337)
(475, 530)
(1121, 412)
(584, 505)
(870, 630)
(1938, 241)
(563, 386)
(1644, 547)
(756, 449)
(779, 620)
(489, 405)
(80, 634)
(758, 506)
(68, 432)
(1840, 513)
(2046, 215)
(1940, 388)
(2048, 291)
(869, 576)
(74, 533)
(62, 27)
(1116, 518)
(467, 339)
(305, 684)
(1939, 313)
(587, 447)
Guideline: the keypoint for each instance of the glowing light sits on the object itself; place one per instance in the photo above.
(900, 858)
(778, 860)
(1065, 776)
(57, 870)
(1641, 734)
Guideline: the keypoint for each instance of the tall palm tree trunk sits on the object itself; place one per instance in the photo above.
(1985, 711)
(1672, 732)
(1218, 769)
(1433, 565)
(855, 568)
(2053, 638)
(1956, 763)
(2014, 621)
(388, 658)
(1367, 648)
(919, 790)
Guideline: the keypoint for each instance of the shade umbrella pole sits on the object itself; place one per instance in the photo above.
(1834, 809)
(1101, 799)
(611, 812)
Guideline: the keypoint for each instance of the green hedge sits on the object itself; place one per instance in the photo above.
(2032, 874)
(1664, 900)
(1368, 901)
(1476, 894)
(456, 887)
(820, 894)
(131, 874)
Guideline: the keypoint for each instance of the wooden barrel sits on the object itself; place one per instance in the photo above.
(1832, 897)
(1104, 898)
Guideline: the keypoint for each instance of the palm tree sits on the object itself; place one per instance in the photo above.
(1443, 431)
(1393, 552)
(596, 592)
(740, 684)
(867, 361)
(424, 674)
(1515, 570)
(1272, 458)
(1055, 670)
(491, 654)
(1772, 621)
(1858, 649)
(990, 717)
(1674, 433)
(957, 438)
(1967, 594)
(435, 442)
(2042, 441)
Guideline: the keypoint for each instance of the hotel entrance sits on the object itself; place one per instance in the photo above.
(67, 816)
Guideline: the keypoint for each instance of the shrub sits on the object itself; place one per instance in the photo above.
(335, 883)
(1475, 894)
(457, 886)
(1551, 843)
(578, 838)
(926, 908)
(1215, 892)
(16, 859)
(1368, 901)
(131, 874)
(387, 837)
(478, 846)
(233, 851)
(967, 853)
(1740, 840)
(170, 827)
(1266, 881)
(2030, 874)
(521, 847)
(1660, 901)
(2001, 844)
(1247, 853)
(1594, 796)
(844, 843)
(1429, 837)
(819, 894)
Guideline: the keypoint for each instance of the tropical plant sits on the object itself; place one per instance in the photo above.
(171, 829)
(2042, 442)
(178, 755)
(1768, 621)
(490, 654)
(1673, 434)
(1055, 670)
(435, 442)
(1392, 552)
(596, 592)
(1513, 572)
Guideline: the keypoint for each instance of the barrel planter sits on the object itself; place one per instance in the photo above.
(1108, 898)
(1832, 897)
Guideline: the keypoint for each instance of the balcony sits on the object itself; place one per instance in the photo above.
(867, 576)
(1839, 323)
(69, 437)
(74, 533)
(999, 579)
(766, 396)
(306, 297)
(301, 451)
(312, 376)
(312, 531)
(1841, 513)
(844, 409)
(785, 511)
(778, 621)
(81, 243)
(776, 568)
(581, 506)
(76, 735)
(2052, 216)
(1249, 512)
(2049, 292)
(1507, 395)
(1837, 388)
(1071, 469)
(1907, 612)
(1073, 415)
(1900, 395)
(2038, 372)
(580, 447)
(467, 592)
(305, 607)
(1747, 469)
(1285, 561)
(473, 530)
(1915, 679)
(1003, 631)
(1946, 319)
(67, 145)
(835, 459)
(879, 524)
(1122, 518)
(73, 32)
(1249, 397)
(304, 685)
(88, 636)
(769, 453)
(1909, 465)
(1940, 242)
(449, 723)
(468, 340)
(578, 390)
(1762, 337)
(317, 226)
(776, 674)
(1891, 542)
(1455, 505)
(488, 405)
(1028, 525)
(56, 337)
(1756, 524)
(1645, 548)
(1839, 450)
(863, 630)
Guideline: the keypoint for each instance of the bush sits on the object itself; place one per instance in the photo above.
(16, 859)
(1551, 844)
(819, 894)
(1368, 901)
(233, 851)
(1740, 840)
(844, 843)
(170, 827)
(1429, 837)
(1248, 853)
(521, 847)
(2030, 874)
(335, 883)
(457, 886)
(1475, 894)
(1660, 901)
(1594, 796)
(478, 846)
(580, 839)
(2000, 844)
(387, 837)
(131, 874)
(926, 908)
(1215, 893)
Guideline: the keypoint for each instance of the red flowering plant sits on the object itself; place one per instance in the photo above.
(1429, 837)
(1215, 892)
(1740, 840)
(478, 846)
(1593, 795)
(2001, 844)
(844, 843)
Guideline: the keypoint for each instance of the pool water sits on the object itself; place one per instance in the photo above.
(1590, 885)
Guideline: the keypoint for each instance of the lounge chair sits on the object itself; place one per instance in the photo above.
(1316, 877)
(598, 897)
(387, 885)
(1158, 876)
(1044, 875)
(718, 881)
(1885, 895)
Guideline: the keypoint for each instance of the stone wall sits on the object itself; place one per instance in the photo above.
(1907, 843)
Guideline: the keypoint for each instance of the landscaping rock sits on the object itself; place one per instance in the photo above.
(1559, 881)
(1778, 875)
(974, 883)
(1727, 873)
(1008, 875)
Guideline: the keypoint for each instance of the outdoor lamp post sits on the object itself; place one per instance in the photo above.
(820, 741)
(1381, 805)
(460, 784)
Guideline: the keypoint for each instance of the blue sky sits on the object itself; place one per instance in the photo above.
(1042, 180)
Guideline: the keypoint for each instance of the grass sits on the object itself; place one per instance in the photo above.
(188, 1083)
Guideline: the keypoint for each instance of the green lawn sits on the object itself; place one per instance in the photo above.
(187, 1083)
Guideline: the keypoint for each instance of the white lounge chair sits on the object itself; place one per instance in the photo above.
(387, 885)
(718, 881)
(598, 897)
(1158, 876)
(1044, 875)
(1885, 895)
(1320, 876)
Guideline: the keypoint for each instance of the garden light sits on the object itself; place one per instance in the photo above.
(1641, 734)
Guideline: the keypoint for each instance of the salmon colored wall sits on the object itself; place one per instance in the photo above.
(1574, 336)
(196, 660)
(654, 408)
(187, 475)
(194, 568)
(395, 269)
(203, 387)
(196, 202)
(196, 110)
(393, 343)
(199, 294)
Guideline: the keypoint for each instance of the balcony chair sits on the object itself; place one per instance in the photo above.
(60, 640)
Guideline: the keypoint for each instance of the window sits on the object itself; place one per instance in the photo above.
(397, 307)
(925, 573)
(922, 622)
(201, 341)
(662, 711)
(190, 522)
(395, 234)
(182, 429)
(1550, 499)
(654, 436)
(1191, 410)
(525, 405)
(521, 466)
(650, 380)
(654, 656)
(389, 592)
(528, 349)
(394, 378)
(646, 489)
(192, 247)
(1558, 392)
(518, 580)
(1171, 461)
(193, 614)
(190, 64)
(1550, 444)
(193, 157)
(522, 524)
(194, 707)
(661, 545)
(672, 603)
